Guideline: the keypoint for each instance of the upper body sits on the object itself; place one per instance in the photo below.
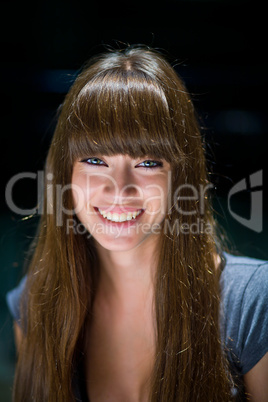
(124, 271)
(244, 332)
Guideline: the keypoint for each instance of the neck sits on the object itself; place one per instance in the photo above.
(126, 276)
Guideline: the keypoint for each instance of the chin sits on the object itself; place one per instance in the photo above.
(118, 244)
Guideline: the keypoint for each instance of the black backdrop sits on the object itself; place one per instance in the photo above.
(220, 51)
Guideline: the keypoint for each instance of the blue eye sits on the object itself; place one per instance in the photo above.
(94, 161)
(150, 164)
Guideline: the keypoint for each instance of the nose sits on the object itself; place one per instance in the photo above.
(121, 184)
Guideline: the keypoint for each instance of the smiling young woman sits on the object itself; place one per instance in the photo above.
(128, 309)
(122, 199)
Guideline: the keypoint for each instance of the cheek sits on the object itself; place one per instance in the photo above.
(82, 191)
(155, 200)
(86, 191)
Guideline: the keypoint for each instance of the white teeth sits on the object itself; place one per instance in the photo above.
(129, 216)
(122, 217)
(116, 217)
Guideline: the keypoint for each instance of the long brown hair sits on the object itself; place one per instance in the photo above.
(125, 102)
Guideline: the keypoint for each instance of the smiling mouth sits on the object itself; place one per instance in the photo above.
(120, 217)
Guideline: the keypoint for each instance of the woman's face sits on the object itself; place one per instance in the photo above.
(121, 201)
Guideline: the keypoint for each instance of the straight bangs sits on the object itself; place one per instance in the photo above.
(122, 112)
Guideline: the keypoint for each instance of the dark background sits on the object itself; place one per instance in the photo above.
(220, 51)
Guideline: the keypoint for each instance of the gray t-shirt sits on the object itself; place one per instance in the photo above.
(244, 313)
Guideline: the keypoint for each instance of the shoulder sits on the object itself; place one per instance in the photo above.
(241, 266)
(244, 318)
(243, 278)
